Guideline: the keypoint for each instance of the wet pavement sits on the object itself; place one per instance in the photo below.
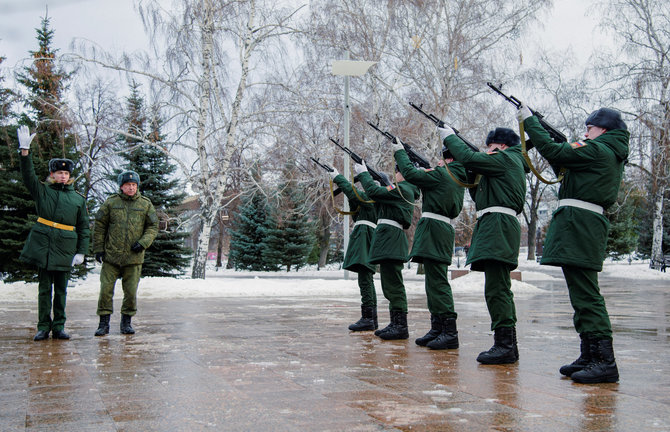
(286, 364)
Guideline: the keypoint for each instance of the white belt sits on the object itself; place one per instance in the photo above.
(389, 222)
(439, 217)
(496, 209)
(569, 202)
(365, 222)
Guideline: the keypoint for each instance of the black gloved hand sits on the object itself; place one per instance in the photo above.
(100, 257)
(137, 247)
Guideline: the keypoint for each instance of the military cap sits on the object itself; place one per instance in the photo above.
(61, 165)
(503, 136)
(128, 177)
(606, 118)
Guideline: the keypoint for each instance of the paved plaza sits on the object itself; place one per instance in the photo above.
(290, 364)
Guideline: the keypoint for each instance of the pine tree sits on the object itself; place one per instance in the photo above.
(167, 256)
(623, 235)
(291, 239)
(248, 233)
(46, 83)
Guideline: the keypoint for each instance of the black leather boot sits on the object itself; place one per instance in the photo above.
(448, 338)
(435, 330)
(398, 327)
(41, 335)
(583, 360)
(382, 330)
(103, 327)
(368, 319)
(126, 328)
(503, 349)
(602, 368)
(59, 334)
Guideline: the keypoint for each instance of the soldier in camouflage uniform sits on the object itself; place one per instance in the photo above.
(125, 226)
(499, 198)
(434, 241)
(59, 239)
(577, 234)
(389, 244)
(356, 258)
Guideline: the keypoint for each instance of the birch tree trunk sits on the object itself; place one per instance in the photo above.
(657, 239)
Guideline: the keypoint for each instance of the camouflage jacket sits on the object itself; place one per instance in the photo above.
(121, 221)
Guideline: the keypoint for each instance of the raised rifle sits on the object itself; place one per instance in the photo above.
(555, 134)
(329, 169)
(415, 157)
(440, 123)
(380, 177)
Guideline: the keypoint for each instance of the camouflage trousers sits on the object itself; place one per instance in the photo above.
(130, 278)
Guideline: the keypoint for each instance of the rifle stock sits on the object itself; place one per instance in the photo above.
(380, 177)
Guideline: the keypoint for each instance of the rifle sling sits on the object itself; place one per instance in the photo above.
(524, 152)
(460, 183)
(340, 211)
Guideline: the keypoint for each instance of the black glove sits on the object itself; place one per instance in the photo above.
(137, 247)
(100, 257)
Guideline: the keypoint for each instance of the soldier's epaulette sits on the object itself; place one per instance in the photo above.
(146, 199)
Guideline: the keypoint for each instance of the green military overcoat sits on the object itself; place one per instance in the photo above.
(395, 203)
(496, 236)
(578, 237)
(434, 239)
(48, 247)
(121, 221)
(357, 257)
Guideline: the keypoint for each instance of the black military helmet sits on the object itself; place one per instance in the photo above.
(606, 118)
(128, 177)
(61, 165)
(503, 136)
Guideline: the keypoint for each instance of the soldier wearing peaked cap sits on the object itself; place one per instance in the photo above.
(125, 226)
(494, 248)
(577, 234)
(58, 241)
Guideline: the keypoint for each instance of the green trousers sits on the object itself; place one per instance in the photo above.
(367, 286)
(438, 290)
(591, 317)
(498, 293)
(390, 273)
(130, 278)
(58, 280)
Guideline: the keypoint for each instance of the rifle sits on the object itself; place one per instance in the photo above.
(555, 134)
(329, 169)
(380, 177)
(440, 123)
(415, 157)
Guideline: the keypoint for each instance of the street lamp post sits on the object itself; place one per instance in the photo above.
(348, 68)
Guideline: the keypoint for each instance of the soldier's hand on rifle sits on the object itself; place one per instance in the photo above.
(397, 145)
(24, 137)
(359, 168)
(334, 173)
(445, 131)
(523, 113)
(78, 259)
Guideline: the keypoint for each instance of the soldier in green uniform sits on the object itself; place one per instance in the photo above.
(577, 234)
(58, 241)
(494, 248)
(125, 226)
(356, 258)
(389, 244)
(434, 241)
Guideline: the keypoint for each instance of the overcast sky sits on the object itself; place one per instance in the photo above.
(116, 26)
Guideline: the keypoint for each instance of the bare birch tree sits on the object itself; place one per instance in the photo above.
(641, 79)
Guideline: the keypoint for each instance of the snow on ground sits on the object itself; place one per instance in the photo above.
(308, 282)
